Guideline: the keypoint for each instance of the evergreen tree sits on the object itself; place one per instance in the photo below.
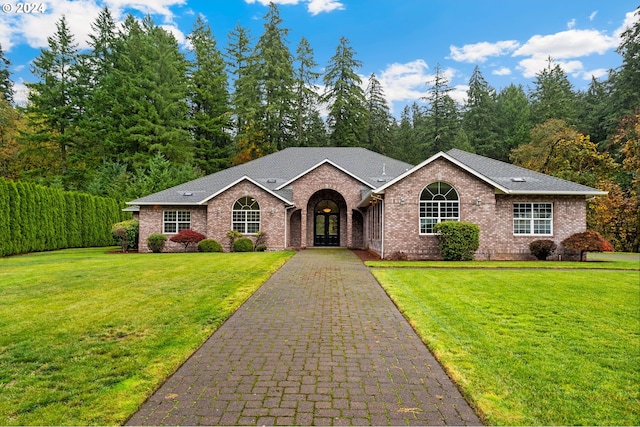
(442, 116)
(553, 96)
(148, 88)
(6, 86)
(595, 112)
(379, 118)
(51, 110)
(626, 79)
(512, 120)
(245, 98)
(345, 98)
(479, 117)
(306, 98)
(209, 102)
(276, 80)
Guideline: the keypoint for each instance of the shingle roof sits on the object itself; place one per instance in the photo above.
(513, 179)
(504, 177)
(276, 171)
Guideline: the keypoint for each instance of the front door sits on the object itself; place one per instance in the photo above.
(327, 224)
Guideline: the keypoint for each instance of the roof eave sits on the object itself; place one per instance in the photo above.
(557, 193)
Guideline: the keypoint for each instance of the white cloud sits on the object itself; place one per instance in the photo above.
(629, 21)
(319, 6)
(405, 82)
(532, 66)
(571, 24)
(593, 15)
(597, 73)
(20, 93)
(34, 28)
(480, 52)
(502, 71)
(568, 44)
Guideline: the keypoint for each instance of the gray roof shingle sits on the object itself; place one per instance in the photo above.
(275, 171)
(517, 180)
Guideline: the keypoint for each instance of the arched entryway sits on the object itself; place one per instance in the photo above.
(327, 219)
(326, 224)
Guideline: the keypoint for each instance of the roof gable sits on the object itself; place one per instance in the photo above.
(276, 172)
(504, 177)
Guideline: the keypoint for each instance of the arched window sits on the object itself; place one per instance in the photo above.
(246, 215)
(438, 202)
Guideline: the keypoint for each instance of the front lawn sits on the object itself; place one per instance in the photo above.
(531, 347)
(85, 337)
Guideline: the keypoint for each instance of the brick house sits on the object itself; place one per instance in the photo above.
(353, 197)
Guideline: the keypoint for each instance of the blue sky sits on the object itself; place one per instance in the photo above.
(401, 41)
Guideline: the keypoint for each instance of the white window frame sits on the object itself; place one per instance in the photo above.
(246, 220)
(532, 218)
(177, 220)
(441, 204)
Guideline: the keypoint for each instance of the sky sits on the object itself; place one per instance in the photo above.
(400, 41)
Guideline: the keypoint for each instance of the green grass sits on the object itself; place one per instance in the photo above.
(531, 347)
(85, 337)
(598, 261)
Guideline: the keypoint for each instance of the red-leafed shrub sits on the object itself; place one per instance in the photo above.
(587, 241)
(187, 237)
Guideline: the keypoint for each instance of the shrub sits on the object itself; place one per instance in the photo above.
(243, 244)
(398, 256)
(541, 249)
(209, 245)
(587, 241)
(458, 241)
(261, 240)
(155, 242)
(125, 234)
(261, 248)
(187, 237)
(233, 235)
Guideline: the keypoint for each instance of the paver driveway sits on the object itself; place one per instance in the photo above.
(320, 343)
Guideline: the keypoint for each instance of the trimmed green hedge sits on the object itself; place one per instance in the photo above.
(34, 218)
(458, 241)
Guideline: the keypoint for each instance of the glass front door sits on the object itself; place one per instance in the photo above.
(327, 224)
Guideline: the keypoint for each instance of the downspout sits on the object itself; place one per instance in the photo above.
(382, 226)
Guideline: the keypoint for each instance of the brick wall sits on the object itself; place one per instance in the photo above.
(327, 177)
(478, 204)
(272, 215)
(151, 222)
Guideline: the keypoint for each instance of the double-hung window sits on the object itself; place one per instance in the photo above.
(439, 202)
(246, 215)
(533, 219)
(175, 221)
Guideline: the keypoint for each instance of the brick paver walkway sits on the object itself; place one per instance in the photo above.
(320, 343)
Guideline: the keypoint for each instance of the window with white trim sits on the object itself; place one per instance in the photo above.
(439, 202)
(175, 221)
(533, 219)
(246, 215)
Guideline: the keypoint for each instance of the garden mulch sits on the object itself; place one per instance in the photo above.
(320, 343)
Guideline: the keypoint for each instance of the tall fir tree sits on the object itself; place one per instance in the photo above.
(513, 119)
(379, 119)
(347, 117)
(306, 98)
(148, 104)
(51, 110)
(552, 96)
(276, 80)
(626, 78)
(479, 117)
(6, 86)
(442, 115)
(245, 97)
(210, 112)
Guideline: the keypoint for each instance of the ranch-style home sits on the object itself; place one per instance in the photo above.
(356, 198)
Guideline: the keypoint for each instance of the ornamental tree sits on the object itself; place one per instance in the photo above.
(587, 241)
(187, 237)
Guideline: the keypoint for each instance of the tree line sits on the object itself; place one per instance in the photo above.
(134, 114)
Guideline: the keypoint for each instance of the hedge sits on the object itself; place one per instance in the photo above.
(34, 218)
